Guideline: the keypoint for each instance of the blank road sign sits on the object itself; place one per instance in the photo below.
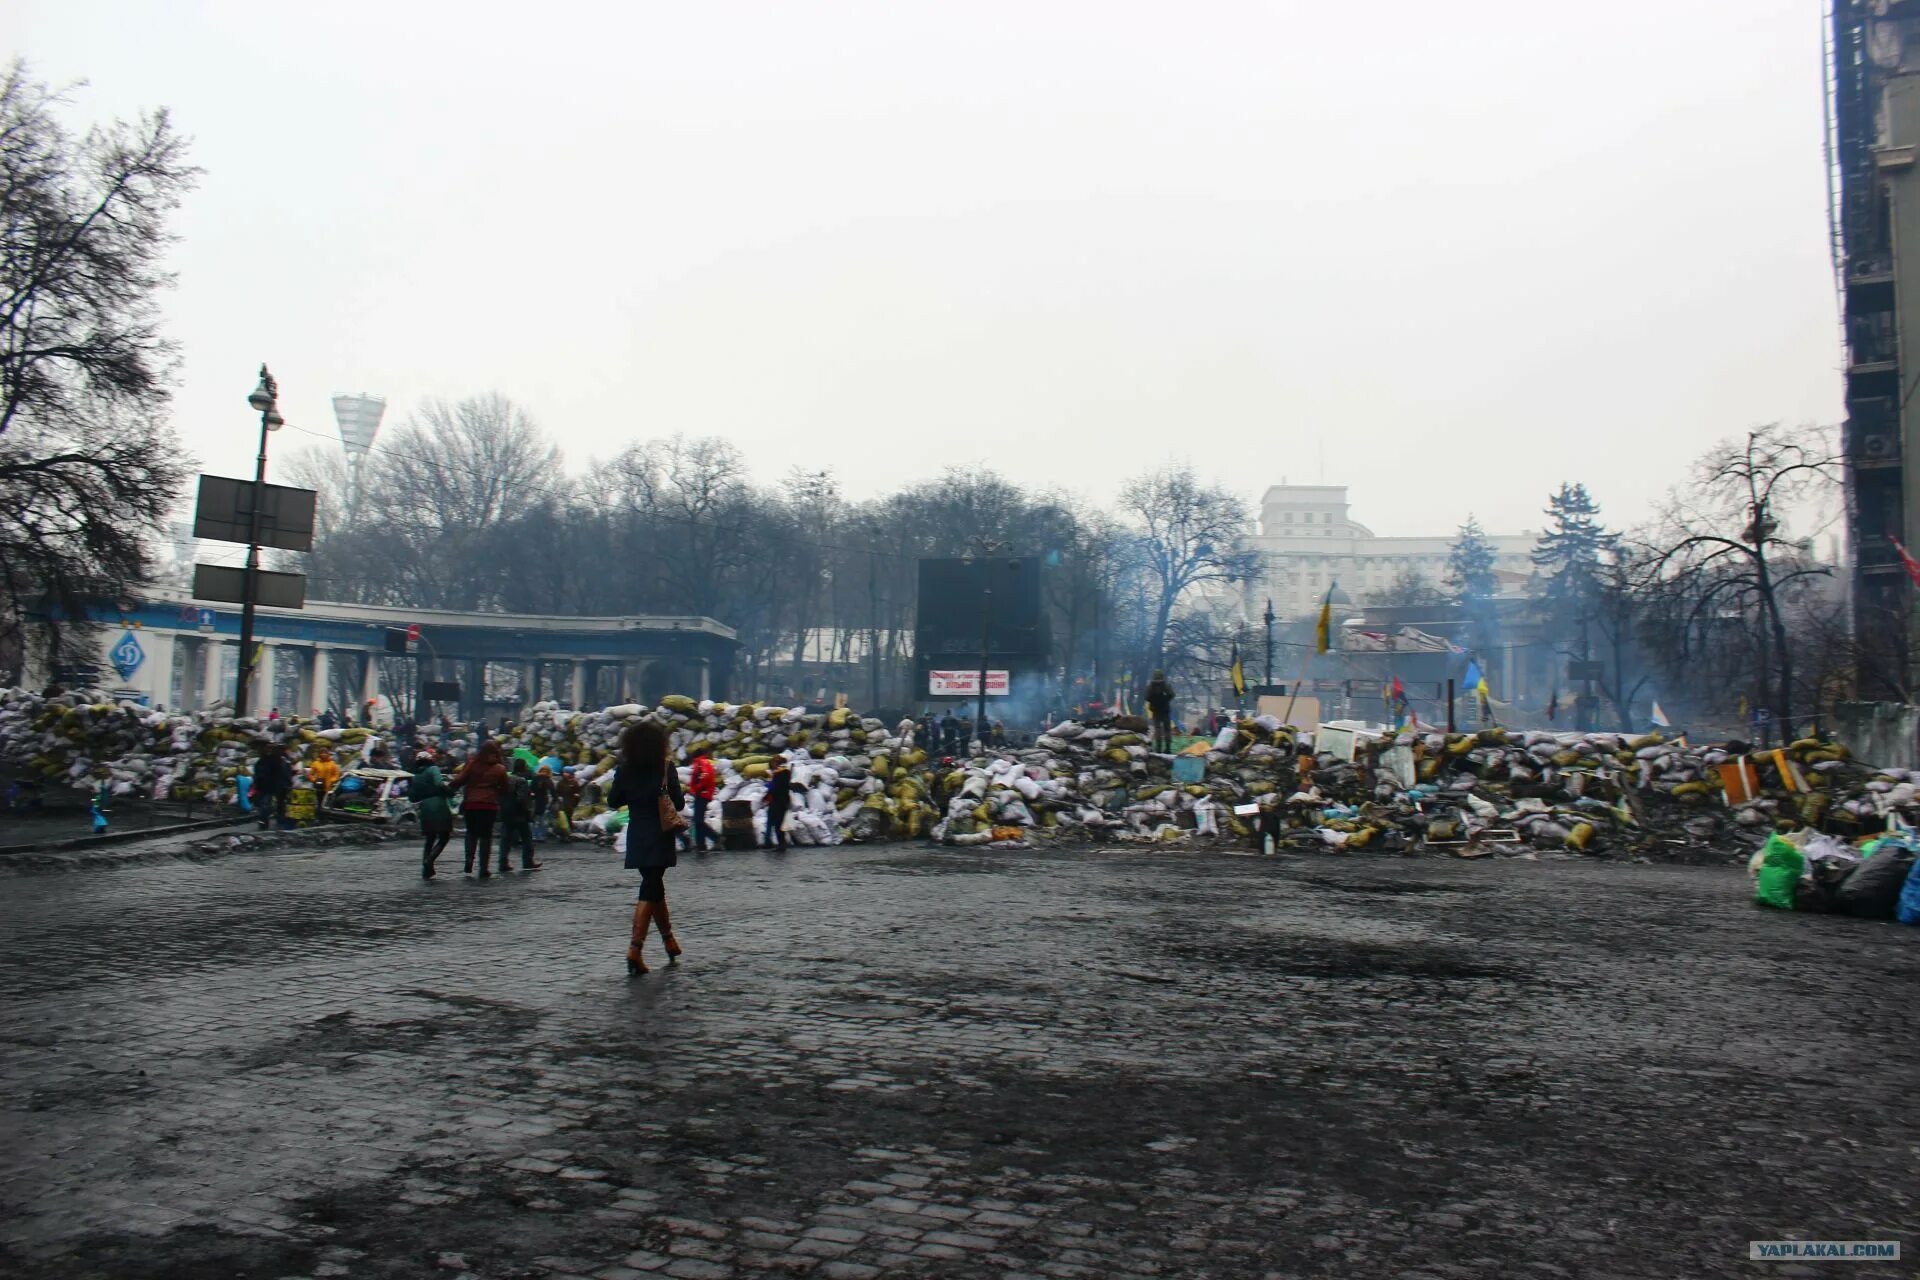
(226, 583)
(224, 513)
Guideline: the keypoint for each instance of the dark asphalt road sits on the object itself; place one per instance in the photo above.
(912, 1062)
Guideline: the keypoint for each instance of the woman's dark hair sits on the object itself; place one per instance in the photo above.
(489, 753)
(645, 745)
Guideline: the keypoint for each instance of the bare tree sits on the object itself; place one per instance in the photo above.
(88, 465)
(438, 506)
(1409, 587)
(1190, 534)
(1724, 554)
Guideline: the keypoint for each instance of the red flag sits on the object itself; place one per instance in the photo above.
(1911, 565)
(1399, 690)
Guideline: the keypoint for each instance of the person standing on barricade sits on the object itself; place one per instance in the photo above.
(1160, 707)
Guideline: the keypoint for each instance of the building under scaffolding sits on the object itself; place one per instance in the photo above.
(1874, 206)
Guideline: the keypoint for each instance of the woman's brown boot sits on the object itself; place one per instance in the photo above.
(664, 923)
(642, 917)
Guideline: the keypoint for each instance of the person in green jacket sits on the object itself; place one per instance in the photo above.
(433, 799)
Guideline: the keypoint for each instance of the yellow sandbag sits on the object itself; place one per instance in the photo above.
(1690, 789)
(1460, 746)
(1578, 837)
(759, 770)
(681, 704)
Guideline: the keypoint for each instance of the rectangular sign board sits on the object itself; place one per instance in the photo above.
(441, 691)
(224, 513)
(1298, 712)
(966, 684)
(226, 583)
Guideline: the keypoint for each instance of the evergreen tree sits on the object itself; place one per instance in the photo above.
(1570, 557)
(1470, 566)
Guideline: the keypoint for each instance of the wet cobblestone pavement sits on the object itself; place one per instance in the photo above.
(897, 1062)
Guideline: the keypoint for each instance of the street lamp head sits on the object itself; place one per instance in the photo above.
(263, 395)
(274, 421)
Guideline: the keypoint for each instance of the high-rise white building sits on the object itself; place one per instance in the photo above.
(1308, 541)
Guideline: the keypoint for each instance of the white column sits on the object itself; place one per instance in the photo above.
(369, 684)
(262, 694)
(705, 668)
(319, 681)
(529, 685)
(577, 684)
(155, 675)
(212, 668)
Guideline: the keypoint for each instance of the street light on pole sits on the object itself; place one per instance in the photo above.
(266, 400)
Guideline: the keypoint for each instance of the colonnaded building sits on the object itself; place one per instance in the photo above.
(1308, 541)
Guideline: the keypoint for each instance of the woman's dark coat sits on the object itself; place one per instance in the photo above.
(648, 848)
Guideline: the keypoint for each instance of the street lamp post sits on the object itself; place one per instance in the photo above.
(1269, 622)
(265, 399)
(986, 551)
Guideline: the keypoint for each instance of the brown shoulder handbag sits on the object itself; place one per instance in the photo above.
(671, 823)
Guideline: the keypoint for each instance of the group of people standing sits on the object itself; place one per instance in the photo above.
(949, 733)
(495, 794)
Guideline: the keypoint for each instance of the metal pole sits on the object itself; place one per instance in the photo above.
(1269, 620)
(986, 624)
(247, 579)
(1450, 728)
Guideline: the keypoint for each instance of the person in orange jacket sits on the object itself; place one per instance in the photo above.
(323, 771)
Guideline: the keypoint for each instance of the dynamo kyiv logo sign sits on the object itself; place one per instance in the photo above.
(128, 655)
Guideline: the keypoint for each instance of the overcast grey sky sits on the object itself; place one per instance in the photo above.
(1448, 254)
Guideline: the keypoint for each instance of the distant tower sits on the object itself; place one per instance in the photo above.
(359, 419)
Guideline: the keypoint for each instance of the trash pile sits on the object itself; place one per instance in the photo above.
(1808, 870)
(851, 779)
(87, 740)
(1348, 787)
(1340, 787)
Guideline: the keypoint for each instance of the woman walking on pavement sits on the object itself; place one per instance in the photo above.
(433, 799)
(643, 778)
(483, 780)
(779, 799)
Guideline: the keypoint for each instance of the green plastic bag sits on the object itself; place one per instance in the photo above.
(1781, 865)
